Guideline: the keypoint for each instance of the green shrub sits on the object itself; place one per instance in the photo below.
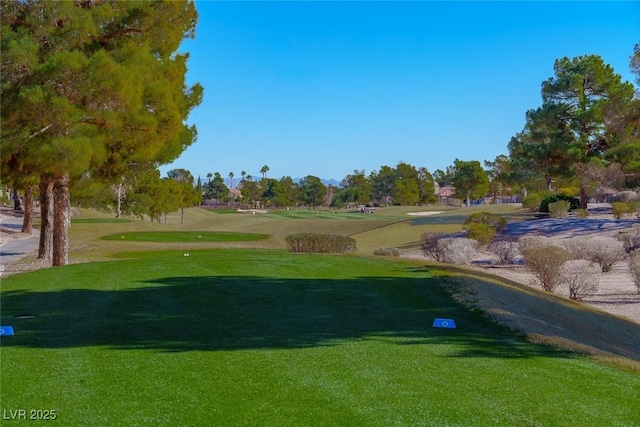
(496, 222)
(621, 209)
(574, 203)
(581, 213)
(559, 209)
(483, 233)
(533, 200)
(387, 252)
(320, 243)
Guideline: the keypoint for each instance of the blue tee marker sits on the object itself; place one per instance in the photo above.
(444, 323)
(6, 330)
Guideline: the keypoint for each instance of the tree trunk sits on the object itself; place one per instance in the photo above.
(584, 197)
(46, 215)
(181, 215)
(27, 220)
(61, 219)
(468, 198)
(17, 206)
(119, 194)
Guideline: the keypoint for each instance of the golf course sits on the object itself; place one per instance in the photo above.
(214, 322)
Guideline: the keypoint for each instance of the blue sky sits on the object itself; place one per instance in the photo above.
(323, 88)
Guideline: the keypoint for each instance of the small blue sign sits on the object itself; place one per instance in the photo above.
(444, 323)
(6, 330)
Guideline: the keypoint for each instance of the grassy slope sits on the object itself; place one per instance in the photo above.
(271, 338)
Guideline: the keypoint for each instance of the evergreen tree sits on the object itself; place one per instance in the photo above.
(92, 86)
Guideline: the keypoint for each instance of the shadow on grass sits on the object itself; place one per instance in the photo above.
(236, 313)
(576, 226)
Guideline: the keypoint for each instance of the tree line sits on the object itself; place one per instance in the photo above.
(403, 184)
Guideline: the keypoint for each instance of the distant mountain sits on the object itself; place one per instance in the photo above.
(326, 182)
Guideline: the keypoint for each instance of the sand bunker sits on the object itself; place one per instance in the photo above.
(426, 213)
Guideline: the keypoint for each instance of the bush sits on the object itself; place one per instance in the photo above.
(532, 201)
(580, 278)
(577, 247)
(574, 203)
(457, 250)
(630, 239)
(559, 209)
(387, 252)
(483, 233)
(505, 251)
(634, 268)
(581, 213)
(528, 242)
(621, 209)
(320, 243)
(429, 246)
(545, 262)
(603, 250)
(496, 222)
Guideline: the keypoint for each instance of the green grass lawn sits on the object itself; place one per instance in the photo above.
(263, 337)
(185, 236)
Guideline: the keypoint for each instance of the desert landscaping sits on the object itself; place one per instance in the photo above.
(616, 292)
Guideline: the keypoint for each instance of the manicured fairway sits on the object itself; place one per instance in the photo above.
(260, 337)
(185, 236)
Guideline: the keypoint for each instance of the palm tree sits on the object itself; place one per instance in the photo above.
(264, 171)
(231, 180)
(209, 176)
(243, 173)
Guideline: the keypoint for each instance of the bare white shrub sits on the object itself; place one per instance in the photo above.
(504, 250)
(580, 278)
(528, 242)
(604, 250)
(634, 268)
(630, 239)
(457, 250)
(577, 245)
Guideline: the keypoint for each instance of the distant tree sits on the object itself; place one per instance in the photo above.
(199, 186)
(443, 177)
(405, 189)
(382, 183)
(470, 180)
(355, 188)
(426, 187)
(500, 174)
(189, 196)
(288, 192)
(231, 175)
(251, 191)
(264, 171)
(312, 190)
(216, 189)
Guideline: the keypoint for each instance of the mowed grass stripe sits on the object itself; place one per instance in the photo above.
(261, 337)
(185, 236)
